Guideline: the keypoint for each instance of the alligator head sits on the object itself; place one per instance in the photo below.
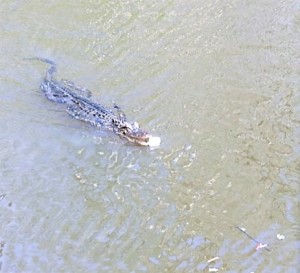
(134, 134)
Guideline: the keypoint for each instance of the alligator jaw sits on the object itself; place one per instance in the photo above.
(150, 140)
(144, 140)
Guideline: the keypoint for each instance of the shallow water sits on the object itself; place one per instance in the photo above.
(218, 82)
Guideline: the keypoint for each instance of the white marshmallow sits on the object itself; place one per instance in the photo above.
(154, 141)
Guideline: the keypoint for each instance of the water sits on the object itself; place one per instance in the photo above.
(217, 81)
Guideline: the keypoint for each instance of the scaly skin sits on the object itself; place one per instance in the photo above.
(80, 106)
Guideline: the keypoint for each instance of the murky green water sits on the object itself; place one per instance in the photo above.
(218, 81)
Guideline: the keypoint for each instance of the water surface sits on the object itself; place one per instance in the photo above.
(217, 81)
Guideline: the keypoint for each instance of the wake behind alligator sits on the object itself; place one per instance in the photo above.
(81, 107)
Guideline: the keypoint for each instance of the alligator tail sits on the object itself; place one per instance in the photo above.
(50, 71)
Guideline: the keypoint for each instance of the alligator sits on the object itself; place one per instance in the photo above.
(80, 106)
